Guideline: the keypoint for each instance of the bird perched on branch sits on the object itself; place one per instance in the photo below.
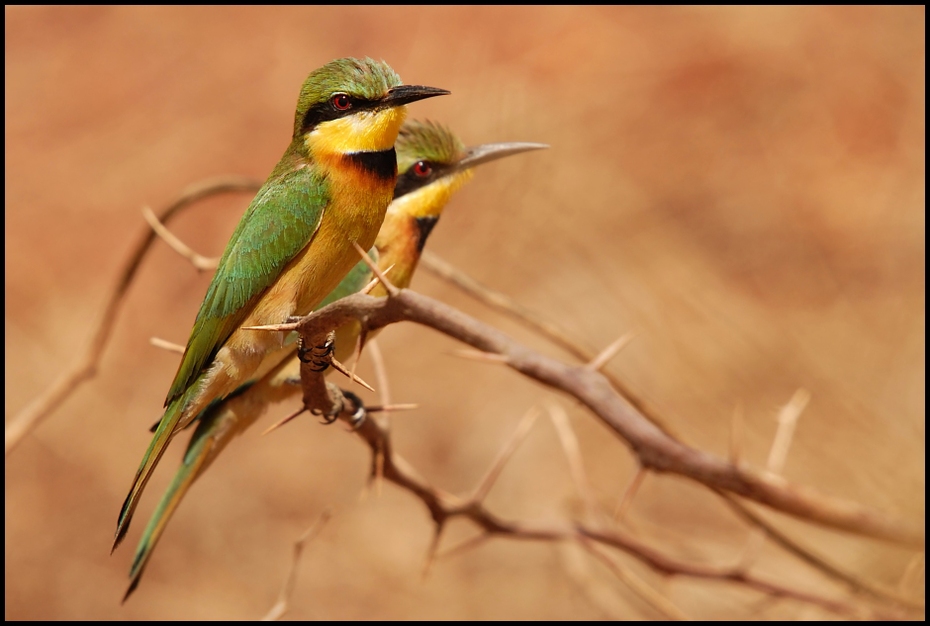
(433, 164)
(295, 242)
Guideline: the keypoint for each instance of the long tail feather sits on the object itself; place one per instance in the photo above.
(163, 435)
(196, 459)
(217, 425)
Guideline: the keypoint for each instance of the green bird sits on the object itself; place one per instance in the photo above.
(294, 244)
(433, 164)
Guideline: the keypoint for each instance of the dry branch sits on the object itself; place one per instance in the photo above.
(637, 585)
(550, 330)
(86, 367)
(856, 584)
(444, 506)
(655, 450)
(673, 567)
(282, 605)
(562, 338)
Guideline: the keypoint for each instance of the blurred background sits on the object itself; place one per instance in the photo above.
(742, 188)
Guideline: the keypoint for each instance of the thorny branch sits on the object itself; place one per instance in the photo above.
(553, 332)
(444, 506)
(562, 338)
(622, 418)
(655, 450)
(374, 313)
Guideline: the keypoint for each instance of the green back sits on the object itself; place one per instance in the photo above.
(281, 220)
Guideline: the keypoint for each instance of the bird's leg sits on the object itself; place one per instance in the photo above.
(321, 397)
(320, 356)
(342, 404)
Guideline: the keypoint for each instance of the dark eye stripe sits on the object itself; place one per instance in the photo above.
(409, 182)
(325, 111)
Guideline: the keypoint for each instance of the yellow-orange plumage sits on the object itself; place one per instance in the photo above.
(296, 241)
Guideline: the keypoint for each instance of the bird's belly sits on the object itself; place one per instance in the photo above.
(319, 267)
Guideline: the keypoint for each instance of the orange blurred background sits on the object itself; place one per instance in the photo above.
(741, 187)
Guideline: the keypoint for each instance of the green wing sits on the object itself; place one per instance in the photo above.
(281, 220)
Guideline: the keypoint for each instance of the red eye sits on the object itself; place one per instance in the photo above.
(341, 102)
(422, 169)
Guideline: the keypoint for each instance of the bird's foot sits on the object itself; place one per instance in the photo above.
(318, 356)
(358, 416)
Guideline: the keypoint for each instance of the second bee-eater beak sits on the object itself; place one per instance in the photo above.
(487, 152)
(405, 94)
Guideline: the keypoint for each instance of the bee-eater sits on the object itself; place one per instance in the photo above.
(433, 164)
(294, 243)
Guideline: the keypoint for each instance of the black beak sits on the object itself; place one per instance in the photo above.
(405, 94)
(487, 152)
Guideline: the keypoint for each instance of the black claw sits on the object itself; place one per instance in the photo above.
(326, 348)
(318, 356)
(358, 418)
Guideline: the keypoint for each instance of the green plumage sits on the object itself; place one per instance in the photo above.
(279, 223)
(364, 78)
(305, 191)
(426, 141)
(281, 220)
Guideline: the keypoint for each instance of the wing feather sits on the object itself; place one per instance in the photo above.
(282, 219)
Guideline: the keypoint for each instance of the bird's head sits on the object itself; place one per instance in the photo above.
(351, 105)
(432, 164)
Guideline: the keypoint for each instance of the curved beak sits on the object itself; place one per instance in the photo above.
(405, 94)
(487, 152)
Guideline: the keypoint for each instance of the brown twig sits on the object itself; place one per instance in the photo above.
(60, 391)
(281, 606)
(672, 567)
(604, 357)
(443, 506)
(562, 338)
(523, 429)
(197, 260)
(553, 332)
(572, 449)
(86, 367)
(629, 493)
(636, 584)
(655, 450)
(879, 592)
(164, 344)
